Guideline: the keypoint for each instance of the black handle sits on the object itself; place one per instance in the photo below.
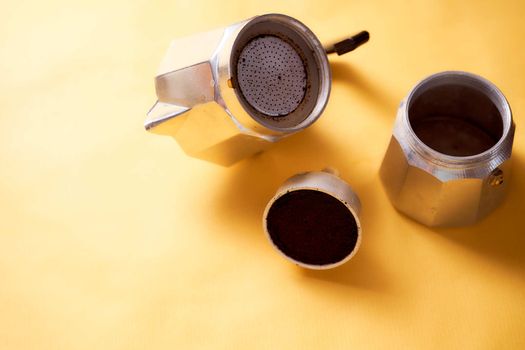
(349, 44)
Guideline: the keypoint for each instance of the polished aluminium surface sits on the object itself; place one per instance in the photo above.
(198, 99)
(447, 163)
(326, 181)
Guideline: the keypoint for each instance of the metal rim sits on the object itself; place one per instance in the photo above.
(321, 62)
(476, 82)
(321, 185)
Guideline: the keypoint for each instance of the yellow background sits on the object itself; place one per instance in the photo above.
(112, 238)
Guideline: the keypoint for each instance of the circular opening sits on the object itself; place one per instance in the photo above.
(456, 115)
(276, 71)
(312, 227)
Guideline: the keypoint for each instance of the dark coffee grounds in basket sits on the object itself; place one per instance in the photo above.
(312, 227)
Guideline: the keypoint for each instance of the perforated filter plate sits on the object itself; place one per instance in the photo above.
(279, 73)
(271, 75)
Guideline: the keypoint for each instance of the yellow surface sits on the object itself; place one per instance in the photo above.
(111, 238)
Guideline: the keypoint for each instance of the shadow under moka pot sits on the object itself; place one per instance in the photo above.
(448, 160)
(229, 93)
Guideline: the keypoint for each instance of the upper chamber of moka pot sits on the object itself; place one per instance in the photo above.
(229, 93)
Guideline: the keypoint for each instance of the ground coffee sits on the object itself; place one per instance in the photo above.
(312, 227)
